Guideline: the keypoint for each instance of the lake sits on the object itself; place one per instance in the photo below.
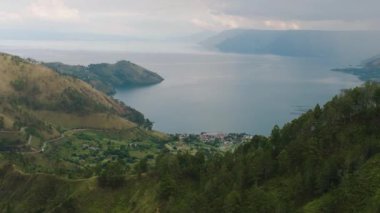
(232, 93)
(221, 92)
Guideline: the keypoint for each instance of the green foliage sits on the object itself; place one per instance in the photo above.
(141, 166)
(148, 124)
(167, 188)
(19, 84)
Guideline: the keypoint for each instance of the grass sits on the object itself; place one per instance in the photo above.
(80, 152)
(94, 121)
(23, 192)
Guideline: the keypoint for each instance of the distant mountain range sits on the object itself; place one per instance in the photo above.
(304, 43)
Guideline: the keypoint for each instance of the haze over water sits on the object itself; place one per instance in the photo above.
(220, 92)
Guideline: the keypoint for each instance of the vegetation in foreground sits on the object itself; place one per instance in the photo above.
(327, 160)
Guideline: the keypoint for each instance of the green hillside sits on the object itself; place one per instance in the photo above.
(327, 160)
(30, 90)
(42, 110)
(108, 77)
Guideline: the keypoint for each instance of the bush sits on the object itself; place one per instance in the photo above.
(19, 84)
(112, 175)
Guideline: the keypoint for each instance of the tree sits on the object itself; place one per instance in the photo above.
(275, 138)
(317, 111)
(2, 125)
(232, 202)
(166, 188)
(148, 124)
(283, 161)
(142, 166)
(112, 175)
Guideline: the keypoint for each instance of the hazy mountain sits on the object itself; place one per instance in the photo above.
(300, 43)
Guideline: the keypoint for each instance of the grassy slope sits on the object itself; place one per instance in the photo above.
(22, 192)
(49, 82)
(38, 192)
(32, 96)
(94, 121)
(48, 87)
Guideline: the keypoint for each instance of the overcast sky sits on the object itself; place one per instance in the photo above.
(170, 18)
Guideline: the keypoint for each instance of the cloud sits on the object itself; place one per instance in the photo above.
(176, 18)
(282, 25)
(304, 10)
(53, 10)
(9, 17)
(218, 22)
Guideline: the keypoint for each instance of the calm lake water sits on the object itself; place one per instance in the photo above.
(221, 92)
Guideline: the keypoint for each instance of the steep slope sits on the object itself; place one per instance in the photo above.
(43, 88)
(108, 77)
(35, 100)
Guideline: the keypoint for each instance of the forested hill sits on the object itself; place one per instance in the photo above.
(108, 77)
(327, 160)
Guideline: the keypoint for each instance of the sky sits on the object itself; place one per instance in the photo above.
(160, 19)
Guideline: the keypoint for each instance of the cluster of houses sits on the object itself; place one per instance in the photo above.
(207, 137)
(216, 137)
(92, 148)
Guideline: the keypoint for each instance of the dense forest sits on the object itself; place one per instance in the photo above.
(325, 161)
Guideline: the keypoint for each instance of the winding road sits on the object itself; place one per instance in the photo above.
(62, 136)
